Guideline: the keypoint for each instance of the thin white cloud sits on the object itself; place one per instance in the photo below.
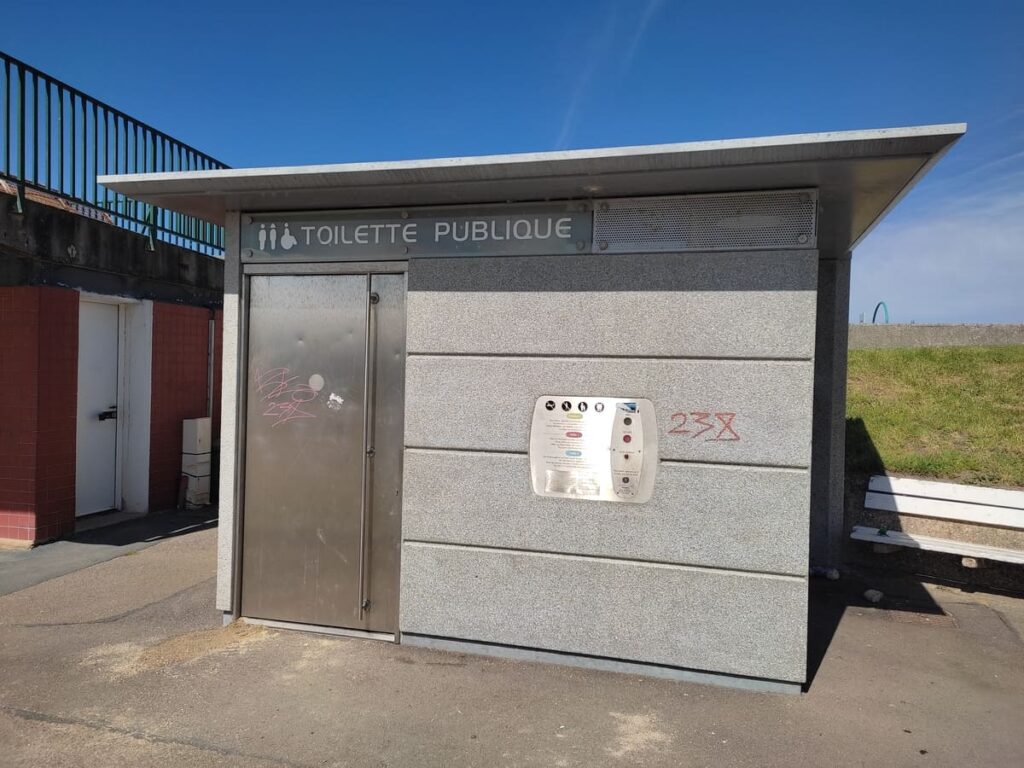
(1013, 114)
(601, 41)
(954, 251)
(602, 46)
(638, 34)
(1007, 159)
(964, 264)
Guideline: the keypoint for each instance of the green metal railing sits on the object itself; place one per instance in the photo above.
(57, 140)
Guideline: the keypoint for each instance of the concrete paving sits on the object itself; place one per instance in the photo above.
(126, 663)
(96, 543)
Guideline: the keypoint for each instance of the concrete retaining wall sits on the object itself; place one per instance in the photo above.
(47, 245)
(888, 336)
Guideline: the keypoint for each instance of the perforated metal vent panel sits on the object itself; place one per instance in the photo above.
(733, 221)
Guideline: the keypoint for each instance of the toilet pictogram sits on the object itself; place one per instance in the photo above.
(268, 240)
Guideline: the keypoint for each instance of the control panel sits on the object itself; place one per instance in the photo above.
(594, 448)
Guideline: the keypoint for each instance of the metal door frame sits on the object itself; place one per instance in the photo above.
(248, 271)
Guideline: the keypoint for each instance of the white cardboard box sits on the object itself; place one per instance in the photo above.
(197, 493)
(196, 435)
(195, 464)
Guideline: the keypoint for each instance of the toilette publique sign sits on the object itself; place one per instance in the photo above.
(532, 229)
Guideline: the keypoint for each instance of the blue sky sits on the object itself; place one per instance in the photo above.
(264, 83)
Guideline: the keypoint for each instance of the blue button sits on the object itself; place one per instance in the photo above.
(574, 453)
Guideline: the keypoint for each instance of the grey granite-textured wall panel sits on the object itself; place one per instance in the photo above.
(662, 305)
(741, 624)
(486, 403)
(745, 518)
(718, 271)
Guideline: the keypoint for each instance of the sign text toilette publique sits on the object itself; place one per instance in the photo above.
(531, 229)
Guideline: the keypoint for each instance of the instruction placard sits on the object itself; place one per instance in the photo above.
(594, 448)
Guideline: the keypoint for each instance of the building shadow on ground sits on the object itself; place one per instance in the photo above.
(104, 539)
(860, 569)
(149, 528)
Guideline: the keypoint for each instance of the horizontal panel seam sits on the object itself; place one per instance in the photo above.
(687, 462)
(692, 462)
(790, 250)
(609, 560)
(686, 289)
(482, 451)
(577, 356)
(457, 295)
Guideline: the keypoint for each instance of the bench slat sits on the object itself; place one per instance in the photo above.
(946, 510)
(931, 543)
(905, 486)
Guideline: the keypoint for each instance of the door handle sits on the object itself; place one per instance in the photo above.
(110, 413)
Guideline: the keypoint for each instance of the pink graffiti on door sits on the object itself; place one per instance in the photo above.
(283, 396)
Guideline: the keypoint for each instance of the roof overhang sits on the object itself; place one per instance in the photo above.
(860, 175)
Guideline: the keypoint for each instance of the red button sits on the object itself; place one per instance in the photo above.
(574, 434)
(626, 439)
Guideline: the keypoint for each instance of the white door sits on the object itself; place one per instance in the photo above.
(96, 455)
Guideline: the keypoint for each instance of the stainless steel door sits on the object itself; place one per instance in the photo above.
(321, 516)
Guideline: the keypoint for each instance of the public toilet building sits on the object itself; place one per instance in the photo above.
(580, 406)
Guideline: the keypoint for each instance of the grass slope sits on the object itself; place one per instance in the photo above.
(955, 413)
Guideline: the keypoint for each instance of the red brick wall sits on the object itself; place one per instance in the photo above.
(38, 404)
(181, 338)
(19, 345)
(58, 413)
(38, 401)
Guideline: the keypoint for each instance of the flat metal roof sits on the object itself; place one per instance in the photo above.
(860, 175)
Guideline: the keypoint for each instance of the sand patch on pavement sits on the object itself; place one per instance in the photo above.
(191, 646)
(128, 659)
(636, 734)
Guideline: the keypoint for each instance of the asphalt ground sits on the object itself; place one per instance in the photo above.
(126, 662)
(96, 543)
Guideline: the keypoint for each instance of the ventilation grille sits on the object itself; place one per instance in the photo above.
(706, 222)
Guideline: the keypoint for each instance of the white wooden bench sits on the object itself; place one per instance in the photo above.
(943, 501)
